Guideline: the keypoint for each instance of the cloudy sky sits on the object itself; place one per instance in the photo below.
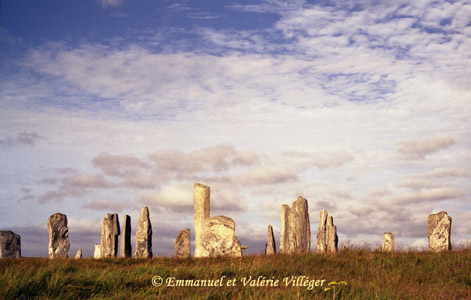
(361, 107)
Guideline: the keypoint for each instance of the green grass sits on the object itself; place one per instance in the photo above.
(368, 274)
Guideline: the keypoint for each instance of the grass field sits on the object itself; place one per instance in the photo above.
(359, 274)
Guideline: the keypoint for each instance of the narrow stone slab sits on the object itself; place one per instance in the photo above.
(321, 246)
(10, 244)
(183, 244)
(332, 238)
(270, 247)
(201, 199)
(125, 250)
(143, 247)
(388, 242)
(109, 236)
(58, 236)
(439, 231)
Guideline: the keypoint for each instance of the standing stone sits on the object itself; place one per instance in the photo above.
(143, 247)
(79, 254)
(97, 253)
(58, 236)
(321, 246)
(109, 236)
(182, 244)
(285, 237)
(201, 199)
(270, 247)
(125, 250)
(332, 238)
(439, 231)
(10, 244)
(213, 236)
(295, 227)
(388, 242)
(218, 237)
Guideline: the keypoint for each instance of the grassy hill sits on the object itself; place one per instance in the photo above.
(352, 274)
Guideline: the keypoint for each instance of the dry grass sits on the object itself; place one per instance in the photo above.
(368, 274)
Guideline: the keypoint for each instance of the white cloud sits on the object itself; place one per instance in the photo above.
(444, 173)
(110, 3)
(419, 149)
(21, 139)
(119, 165)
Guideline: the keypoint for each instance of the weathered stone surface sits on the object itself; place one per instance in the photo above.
(439, 231)
(219, 239)
(331, 233)
(388, 242)
(321, 246)
(295, 227)
(182, 244)
(143, 247)
(201, 199)
(109, 236)
(125, 250)
(79, 254)
(97, 253)
(213, 236)
(270, 247)
(10, 244)
(58, 236)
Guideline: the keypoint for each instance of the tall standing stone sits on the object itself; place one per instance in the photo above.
(58, 236)
(270, 247)
(97, 254)
(295, 227)
(332, 238)
(388, 242)
(182, 244)
(143, 247)
(219, 238)
(10, 244)
(439, 231)
(321, 246)
(125, 250)
(109, 236)
(213, 236)
(201, 199)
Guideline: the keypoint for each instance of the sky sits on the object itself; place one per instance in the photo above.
(361, 107)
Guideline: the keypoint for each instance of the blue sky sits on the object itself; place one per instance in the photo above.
(361, 107)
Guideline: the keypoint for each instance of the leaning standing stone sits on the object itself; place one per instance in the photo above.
(144, 235)
(439, 231)
(182, 244)
(125, 250)
(58, 236)
(10, 244)
(388, 242)
(270, 247)
(79, 254)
